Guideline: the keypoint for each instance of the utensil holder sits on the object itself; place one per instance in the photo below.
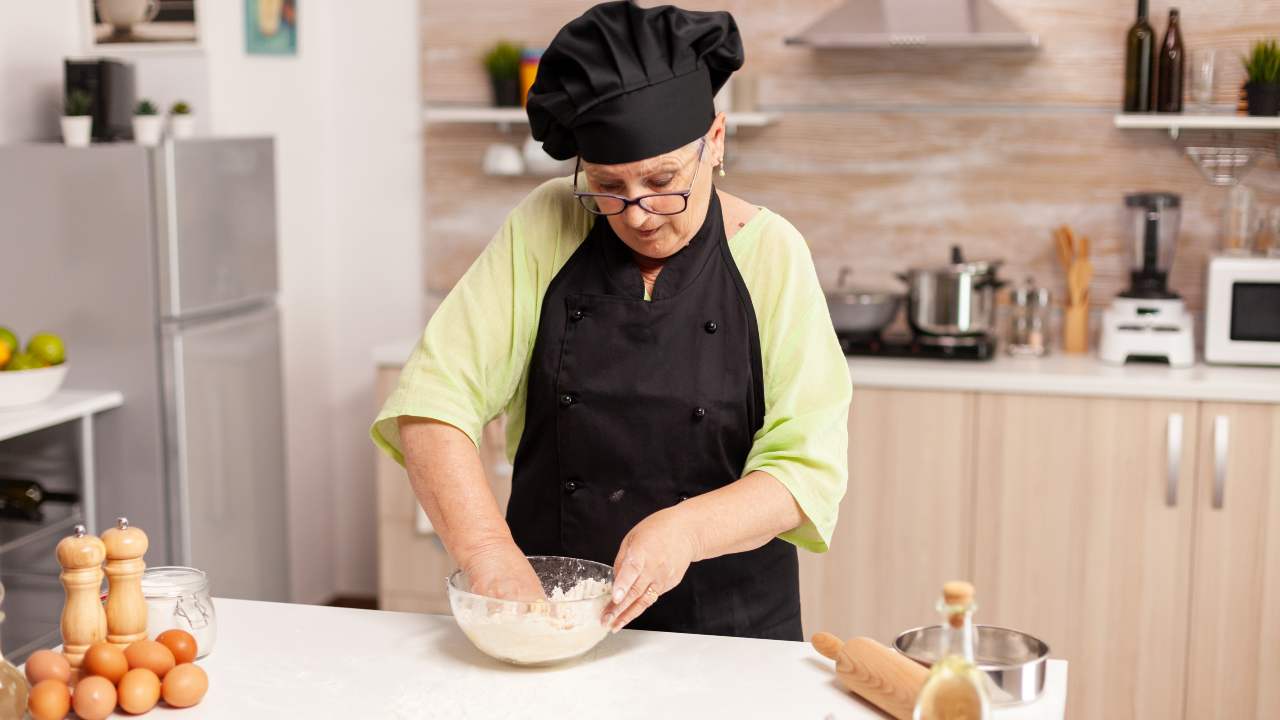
(1075, 329)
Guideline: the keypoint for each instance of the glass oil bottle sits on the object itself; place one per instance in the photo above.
(955, 689)
(13, 686)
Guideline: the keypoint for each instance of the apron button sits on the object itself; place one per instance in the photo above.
(711, 327)
(577, 315)
(566, 400)
(570, 486)
(699, 413)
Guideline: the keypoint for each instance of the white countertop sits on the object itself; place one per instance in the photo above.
(1057, 374)
(278, 660)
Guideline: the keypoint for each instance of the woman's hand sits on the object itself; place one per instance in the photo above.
(653, 559)
(502, 571)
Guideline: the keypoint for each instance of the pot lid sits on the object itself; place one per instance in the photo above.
(846, 294)
(960, 266)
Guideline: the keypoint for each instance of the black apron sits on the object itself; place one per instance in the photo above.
(636, 405)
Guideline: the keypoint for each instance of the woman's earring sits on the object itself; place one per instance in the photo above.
(721, 167)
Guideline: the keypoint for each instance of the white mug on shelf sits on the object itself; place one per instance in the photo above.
(503, 159)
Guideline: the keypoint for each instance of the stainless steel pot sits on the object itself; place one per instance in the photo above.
(1013, 661)
(957, 299)
(855, 311)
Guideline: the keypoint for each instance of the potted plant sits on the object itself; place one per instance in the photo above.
(77, 122)
(147, 124)
(182, 124)
(1263, 87)
(503, 66)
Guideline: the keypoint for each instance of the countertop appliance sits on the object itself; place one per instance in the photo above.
(158, 267)
(1149, 322)
(1242, 311)
(110, 84)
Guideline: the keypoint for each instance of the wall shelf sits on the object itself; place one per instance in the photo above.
(1224, 161)
(505, 117)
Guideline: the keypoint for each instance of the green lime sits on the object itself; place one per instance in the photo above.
(25, 361)
(8, 338)
(48, 347)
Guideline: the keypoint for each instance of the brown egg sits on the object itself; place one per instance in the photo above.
(49, 700)
(48, 665)
(139, 691)
(105, 660)
(151, 655)
(180, 643)
(95, 698)
(185, 685)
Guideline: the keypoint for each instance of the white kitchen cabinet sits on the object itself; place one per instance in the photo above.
(1083, 524)
(905, 523)
(1234, 654)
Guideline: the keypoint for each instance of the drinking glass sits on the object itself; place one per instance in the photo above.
(1203, 75)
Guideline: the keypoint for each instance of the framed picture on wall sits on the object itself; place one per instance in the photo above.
(142, 24)
(271, 27)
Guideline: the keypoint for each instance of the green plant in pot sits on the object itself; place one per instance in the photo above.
(77, 118)
(503, 65)
(182, 123)
(1263, 88)
(147, 123)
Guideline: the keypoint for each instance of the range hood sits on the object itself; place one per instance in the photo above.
(915, 23)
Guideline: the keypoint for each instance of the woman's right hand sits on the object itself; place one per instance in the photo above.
(502, 571)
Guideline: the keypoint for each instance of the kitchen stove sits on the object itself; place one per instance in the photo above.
(930, 347)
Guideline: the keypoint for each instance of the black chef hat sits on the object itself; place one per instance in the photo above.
(623, 83)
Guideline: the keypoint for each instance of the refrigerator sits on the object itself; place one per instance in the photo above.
(158, 267)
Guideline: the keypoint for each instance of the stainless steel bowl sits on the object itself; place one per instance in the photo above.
(1013, 661)
(858, 311)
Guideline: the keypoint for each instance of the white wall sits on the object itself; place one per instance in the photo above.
(345, 115)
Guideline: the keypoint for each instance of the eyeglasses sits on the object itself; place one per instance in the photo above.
(667, 203)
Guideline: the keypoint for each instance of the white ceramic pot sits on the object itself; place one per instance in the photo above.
(76, 130)
(147, 129)
(182, 126)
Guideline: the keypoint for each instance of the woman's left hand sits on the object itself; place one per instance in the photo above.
(652, 559)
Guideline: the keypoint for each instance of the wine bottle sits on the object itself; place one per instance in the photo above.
(22, 499)
(1140, 64)
(1169, 70)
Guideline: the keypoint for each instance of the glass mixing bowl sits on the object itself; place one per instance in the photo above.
(562, 627)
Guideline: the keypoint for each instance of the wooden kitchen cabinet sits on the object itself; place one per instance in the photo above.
(1079, 541)
(905, 523)
(412, 565)
(1234, 653)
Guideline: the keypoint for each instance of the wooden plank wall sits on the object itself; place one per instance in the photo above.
(885, 158)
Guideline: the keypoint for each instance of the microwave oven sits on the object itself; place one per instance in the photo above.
(1242, 311)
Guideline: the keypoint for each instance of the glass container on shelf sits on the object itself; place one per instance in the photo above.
(1028, 320)
(1241, 220)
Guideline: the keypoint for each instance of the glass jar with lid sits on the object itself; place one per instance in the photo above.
(1028, 320)
(178, 597)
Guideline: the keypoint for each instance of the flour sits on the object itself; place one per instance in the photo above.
(544, 632)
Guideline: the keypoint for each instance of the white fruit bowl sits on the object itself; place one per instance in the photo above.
(24, 387)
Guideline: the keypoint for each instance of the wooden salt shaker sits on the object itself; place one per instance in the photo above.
(126, 606)
(84, 622)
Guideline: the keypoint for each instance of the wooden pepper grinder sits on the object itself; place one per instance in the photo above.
(126, 606)
(84, 622)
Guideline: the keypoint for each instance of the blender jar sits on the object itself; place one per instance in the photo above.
(1154, 217)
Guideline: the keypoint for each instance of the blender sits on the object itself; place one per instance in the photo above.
(1148, 322)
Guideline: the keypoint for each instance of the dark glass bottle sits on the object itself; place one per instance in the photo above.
(1140, 64)
(22, 499)
(1169, 68)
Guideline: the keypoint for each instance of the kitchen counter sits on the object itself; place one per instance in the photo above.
(1057, 374)
(279, 660)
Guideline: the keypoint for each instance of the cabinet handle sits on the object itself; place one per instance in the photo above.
(1173, 463)
(1221, 443)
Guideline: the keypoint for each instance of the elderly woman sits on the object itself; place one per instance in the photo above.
(674, 390)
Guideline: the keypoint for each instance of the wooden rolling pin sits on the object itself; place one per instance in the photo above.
(875, 673)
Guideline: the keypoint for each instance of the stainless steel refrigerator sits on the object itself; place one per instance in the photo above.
(158, 267)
